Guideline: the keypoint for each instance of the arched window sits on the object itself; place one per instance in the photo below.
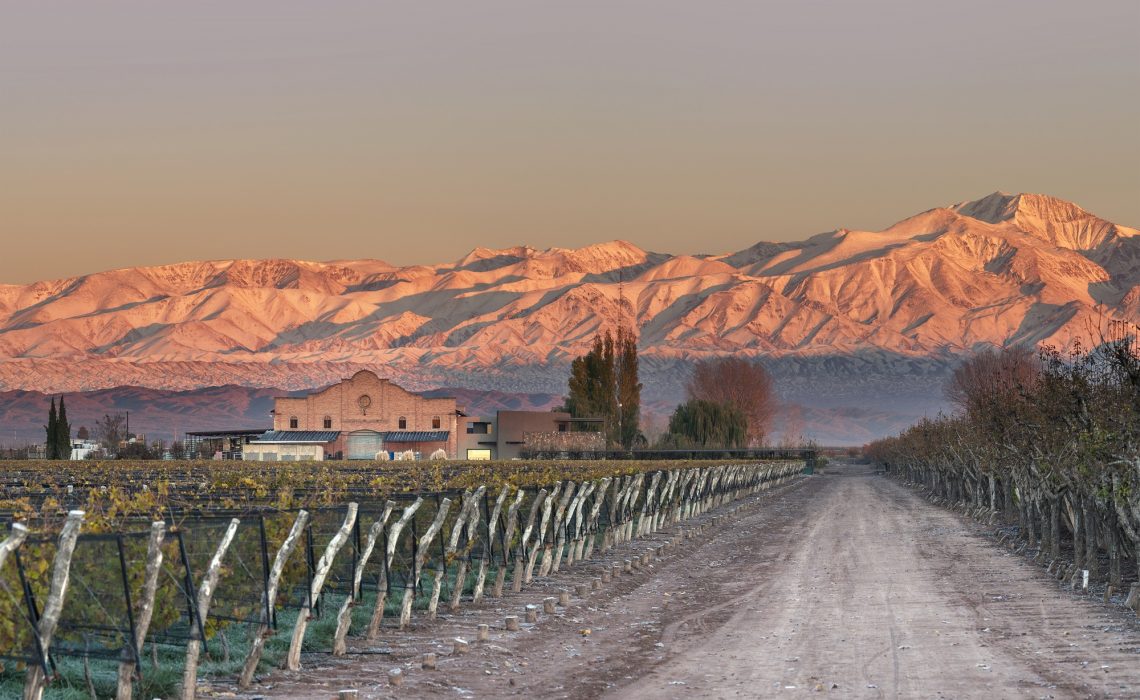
(328, 422)
(293, 422)
(435, 422)
(403, 423)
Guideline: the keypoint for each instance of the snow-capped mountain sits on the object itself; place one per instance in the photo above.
(1003, 269)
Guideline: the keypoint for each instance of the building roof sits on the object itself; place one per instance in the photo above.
(298, 436)
(227, 433)
(416, 435)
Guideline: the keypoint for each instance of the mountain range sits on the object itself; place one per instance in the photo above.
(845, 319)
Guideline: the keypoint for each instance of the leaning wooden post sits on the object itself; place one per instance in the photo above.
(540, 536)
(146, 608)
(60, 577)
(254, 657)
(421, 557)
(595, 511)
(324, 565)
(574, 548)
(469, 503)
(393, 541)
(205, 594)
(472, 527)
(492, 525)
(344, 616)
(527, 550)
(551, 554)
(508, 535)
(12, 542)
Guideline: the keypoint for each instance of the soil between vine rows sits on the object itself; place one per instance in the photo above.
(844, 583)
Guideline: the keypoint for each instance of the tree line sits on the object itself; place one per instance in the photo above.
(729, 403)
(1048, 438)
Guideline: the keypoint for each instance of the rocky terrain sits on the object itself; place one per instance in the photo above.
(840, 317)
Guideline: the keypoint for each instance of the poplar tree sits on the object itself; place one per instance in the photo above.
(604, 384)
(62, 433)
(51, 450)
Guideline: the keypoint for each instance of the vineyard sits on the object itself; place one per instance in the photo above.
(1050, 442)
(125, 579)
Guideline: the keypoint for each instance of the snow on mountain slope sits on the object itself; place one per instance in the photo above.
(1001, 269)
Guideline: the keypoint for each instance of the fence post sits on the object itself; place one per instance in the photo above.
(60, 577)
(421, 557)
(393, 539)
(283, 554)
(146, 607)
(492, 525)
(523, 561)
(449, 550)
(293, 660)
(508, 535)
(205, 594)
(472, 527)
(344, 616)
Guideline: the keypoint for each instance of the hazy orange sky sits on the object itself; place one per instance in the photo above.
(147, 132)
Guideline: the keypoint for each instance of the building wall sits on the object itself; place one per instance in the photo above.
(512, 426)
(477, 441)
(300, 452)
(386, 403)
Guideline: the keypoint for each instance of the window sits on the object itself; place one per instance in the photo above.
(478, 428)
(403, 423)
(293, 422)
(328, 422)
(435, 422)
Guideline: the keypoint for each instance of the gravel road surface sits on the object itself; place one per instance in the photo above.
(844, 584)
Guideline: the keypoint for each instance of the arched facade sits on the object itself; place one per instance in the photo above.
(365, 406)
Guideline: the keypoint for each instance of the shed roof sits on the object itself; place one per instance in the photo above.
(416, 435)
(299, 436)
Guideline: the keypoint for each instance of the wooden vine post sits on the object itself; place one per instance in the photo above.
(60, 577)
(527, 550)
(12, 542)
(552, 553)
(389, 554)
(595, 512)
(344, 616)
(145, 608)
(540, 536)
(205, 595)
(324, 565)
(492, 525)
(469, 504)
(472, 528)
(508, 535)
(418, 564)
(258, 646)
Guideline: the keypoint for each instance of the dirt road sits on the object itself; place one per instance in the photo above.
(845, 584)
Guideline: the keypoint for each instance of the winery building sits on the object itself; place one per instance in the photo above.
(356, 419)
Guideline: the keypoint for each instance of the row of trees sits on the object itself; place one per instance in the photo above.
(730, 401)
(58, 445)
(1050, 439)
(604, 385)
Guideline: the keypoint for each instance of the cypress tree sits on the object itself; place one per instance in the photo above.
(628, 388)
(62, 433)
(50, 448)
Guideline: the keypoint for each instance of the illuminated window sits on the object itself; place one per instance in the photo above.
(403, 424)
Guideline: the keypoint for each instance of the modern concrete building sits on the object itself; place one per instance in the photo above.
(511, 434)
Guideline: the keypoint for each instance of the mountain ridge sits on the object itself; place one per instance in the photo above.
(1002, 269)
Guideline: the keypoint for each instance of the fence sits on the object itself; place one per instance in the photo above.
(183, 583)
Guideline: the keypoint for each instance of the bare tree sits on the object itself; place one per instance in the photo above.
(991, 377)
(738, 382)
(110, 430)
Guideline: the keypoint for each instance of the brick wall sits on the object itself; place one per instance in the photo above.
(386, 403)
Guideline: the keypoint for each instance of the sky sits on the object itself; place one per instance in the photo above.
(138, 133)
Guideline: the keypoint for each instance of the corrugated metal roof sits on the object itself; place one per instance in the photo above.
(314, 436)
(416, 435)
